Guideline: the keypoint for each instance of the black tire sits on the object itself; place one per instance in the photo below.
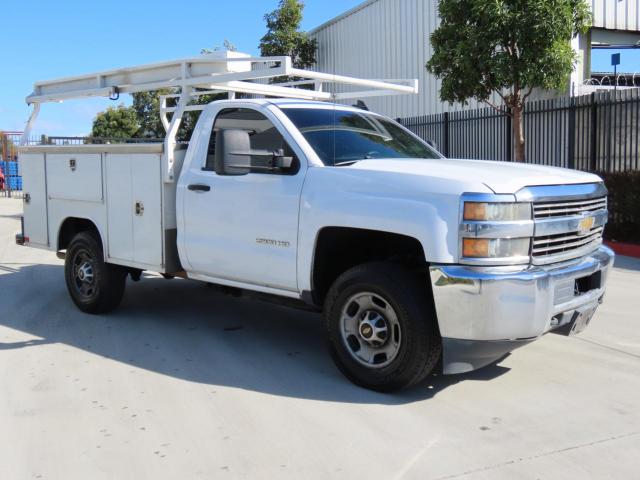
(419, 346)
(84, 261)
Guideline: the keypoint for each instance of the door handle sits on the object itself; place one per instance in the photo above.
(198, 187)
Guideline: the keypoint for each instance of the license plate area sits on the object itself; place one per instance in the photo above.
(581, 319)
(586, 284)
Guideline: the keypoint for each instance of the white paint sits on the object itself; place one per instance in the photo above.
(222, 227)
(119, 208)
(35, 210)
(74, 176)
(218, 231)
(160, 391)
(220, 71)
(134, 237)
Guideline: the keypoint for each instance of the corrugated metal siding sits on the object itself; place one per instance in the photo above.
(386, 39)
(390, 39)
(616, 14)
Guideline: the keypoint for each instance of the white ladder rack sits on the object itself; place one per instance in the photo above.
(231, 72)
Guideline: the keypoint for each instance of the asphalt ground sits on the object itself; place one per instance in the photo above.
(184, 382)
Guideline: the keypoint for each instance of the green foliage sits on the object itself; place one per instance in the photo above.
(486, 46)
(284, 37)
(147, 108)
(115, 122)
(508, 47)
(189, 119)
(624, 198)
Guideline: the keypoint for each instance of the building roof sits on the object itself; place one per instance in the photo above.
(355, 9)
(620, 15)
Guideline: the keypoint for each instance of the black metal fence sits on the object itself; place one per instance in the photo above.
(597, 132)
(46, 140)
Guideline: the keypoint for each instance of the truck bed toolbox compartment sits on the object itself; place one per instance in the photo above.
(35, 201)
(73, 176)
(119, 188)
(134, 203)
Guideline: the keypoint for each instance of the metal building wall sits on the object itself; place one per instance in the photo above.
(616, 14)
(390, 39)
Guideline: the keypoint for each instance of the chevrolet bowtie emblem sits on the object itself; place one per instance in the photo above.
(585, 225)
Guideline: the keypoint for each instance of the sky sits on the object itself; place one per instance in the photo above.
(629, 60)
(44, 40)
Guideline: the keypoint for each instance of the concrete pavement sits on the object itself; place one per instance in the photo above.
(183, 382)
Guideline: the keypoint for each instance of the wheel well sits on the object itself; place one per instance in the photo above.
(341, 248)
(71, 227)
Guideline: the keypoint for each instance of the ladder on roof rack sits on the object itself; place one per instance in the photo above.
(231, 72)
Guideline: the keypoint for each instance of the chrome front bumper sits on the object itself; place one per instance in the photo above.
(486, 312)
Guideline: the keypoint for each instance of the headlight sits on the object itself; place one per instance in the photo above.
(494, 232)
(495, 247)
(489, 212)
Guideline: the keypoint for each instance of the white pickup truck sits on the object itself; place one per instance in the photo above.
(413, 258)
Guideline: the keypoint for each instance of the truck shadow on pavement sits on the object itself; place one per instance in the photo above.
(188, 331)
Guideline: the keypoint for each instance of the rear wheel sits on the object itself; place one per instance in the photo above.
(94, 286)
(381, 327)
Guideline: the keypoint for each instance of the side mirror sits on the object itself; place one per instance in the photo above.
(279, 160)
(432, 144)
(233, 155)
(229, 142)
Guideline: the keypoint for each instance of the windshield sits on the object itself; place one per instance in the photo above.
(341, 137)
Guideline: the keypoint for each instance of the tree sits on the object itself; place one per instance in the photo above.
(508, 47)
(147, 108)
(115, 122)
(284, 38)
(190, 119)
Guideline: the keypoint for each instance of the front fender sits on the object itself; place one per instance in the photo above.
(410, 205)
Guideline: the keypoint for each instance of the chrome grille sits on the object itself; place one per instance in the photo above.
(565, 208)
(559, 234)
(564, 242)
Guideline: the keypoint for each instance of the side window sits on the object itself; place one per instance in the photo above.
(263, 135)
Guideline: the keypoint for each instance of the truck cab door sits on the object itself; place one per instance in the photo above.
(243, 228)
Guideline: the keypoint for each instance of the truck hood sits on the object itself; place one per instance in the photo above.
(501, 177)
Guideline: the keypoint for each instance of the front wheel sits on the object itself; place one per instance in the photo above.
(94, 286)
(381, 327)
